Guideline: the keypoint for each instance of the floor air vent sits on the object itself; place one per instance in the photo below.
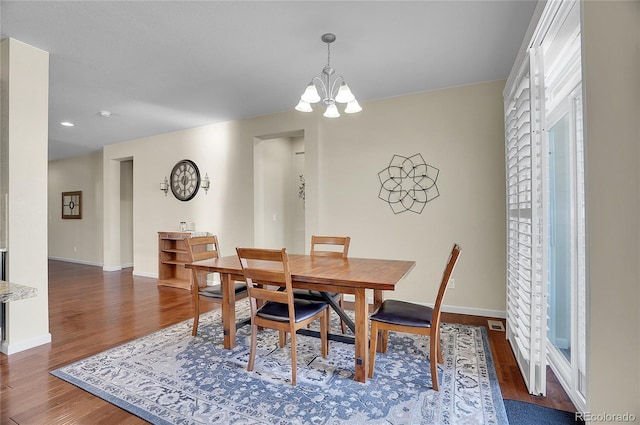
(495, 325)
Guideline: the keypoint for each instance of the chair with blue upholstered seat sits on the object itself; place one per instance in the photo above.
(402, 316)
(326, 246)
(268, 278)
(203, 248)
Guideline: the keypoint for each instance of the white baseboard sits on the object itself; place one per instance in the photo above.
(471, 311)
(74, 260)
(352, 298)
(93, 263)
(111, 268)
(145, 274)
(9, 349)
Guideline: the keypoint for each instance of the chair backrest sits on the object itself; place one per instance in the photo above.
(451, 263)
(201, 248)
(268, 277)
(330, 246)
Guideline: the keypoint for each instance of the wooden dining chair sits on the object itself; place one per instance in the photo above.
(203, 248)
(402, 316)
(326, 246)
(269, 281)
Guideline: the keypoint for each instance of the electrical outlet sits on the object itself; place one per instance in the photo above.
(452, 283)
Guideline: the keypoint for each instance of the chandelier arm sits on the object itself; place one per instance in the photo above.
(323, 86)
(335, 86)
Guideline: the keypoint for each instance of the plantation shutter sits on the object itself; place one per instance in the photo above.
(526, 305)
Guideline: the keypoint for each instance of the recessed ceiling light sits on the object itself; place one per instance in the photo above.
(67, 123)
(105, 114)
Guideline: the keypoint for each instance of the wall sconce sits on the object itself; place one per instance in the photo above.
(205, 183)
(164, 186)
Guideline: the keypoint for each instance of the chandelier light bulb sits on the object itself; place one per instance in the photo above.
(344, 94)
(353, 107)
(332, 111)
(310, 94)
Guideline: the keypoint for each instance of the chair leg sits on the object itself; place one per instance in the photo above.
(373, 342)
(196, 311)
(294, 359)
(342, 324)
(327, 319)
(252, 350)
(436, 335)
(282, 339)
(433, 354)
(385, 340)
(323, 332)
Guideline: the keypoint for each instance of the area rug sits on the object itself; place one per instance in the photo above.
(170, 377)
(523, 413)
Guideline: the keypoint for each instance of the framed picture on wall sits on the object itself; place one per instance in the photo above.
(72, 204)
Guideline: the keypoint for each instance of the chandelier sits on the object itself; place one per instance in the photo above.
(334, 89)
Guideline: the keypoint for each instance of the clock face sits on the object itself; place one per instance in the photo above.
(185, 180)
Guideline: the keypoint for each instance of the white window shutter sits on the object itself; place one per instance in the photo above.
(526, 317)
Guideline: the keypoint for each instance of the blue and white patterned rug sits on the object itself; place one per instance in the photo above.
(170, 377)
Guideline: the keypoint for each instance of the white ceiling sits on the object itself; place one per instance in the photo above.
(161, 66)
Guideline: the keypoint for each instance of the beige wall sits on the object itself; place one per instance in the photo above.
(460, 131)
(457, 130)
(224, 152)
(68, 239)
(611, 78)
(25, 100)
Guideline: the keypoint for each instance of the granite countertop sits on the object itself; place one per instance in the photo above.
(14, 292)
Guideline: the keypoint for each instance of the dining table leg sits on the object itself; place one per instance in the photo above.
(228, 311)
(381, 346)
(362, 335)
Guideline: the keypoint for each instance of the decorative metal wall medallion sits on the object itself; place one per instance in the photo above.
(301, 188)
(408, 183)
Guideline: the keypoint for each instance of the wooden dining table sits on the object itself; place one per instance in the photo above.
(324, 274)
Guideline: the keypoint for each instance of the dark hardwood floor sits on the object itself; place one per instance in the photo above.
(91, 310)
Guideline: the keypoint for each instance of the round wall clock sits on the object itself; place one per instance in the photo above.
(185, 180)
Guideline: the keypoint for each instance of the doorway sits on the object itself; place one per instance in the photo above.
(560, 63)
(279, 192)
(566, 248)
(560, 237)
(126, 213)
